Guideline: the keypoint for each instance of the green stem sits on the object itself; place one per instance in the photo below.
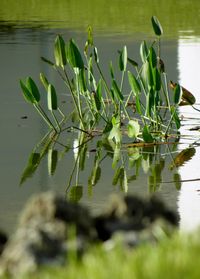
(170, 121)
(56, 120)
(166, 92)
(45, 117)
(73, 96)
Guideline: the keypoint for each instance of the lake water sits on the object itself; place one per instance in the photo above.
(27, 32)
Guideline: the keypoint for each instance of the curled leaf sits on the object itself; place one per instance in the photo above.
(182, 157)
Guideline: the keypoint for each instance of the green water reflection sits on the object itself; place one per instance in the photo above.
(120, 16)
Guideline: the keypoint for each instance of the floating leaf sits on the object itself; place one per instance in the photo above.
(182, 157)
(59, 52)
(156, 26)
(74, 55)
(133, 129)
(52, 98)
(123, 59)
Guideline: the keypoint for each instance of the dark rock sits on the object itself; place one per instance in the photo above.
(51, 227)
(131, 214)
(44, 235)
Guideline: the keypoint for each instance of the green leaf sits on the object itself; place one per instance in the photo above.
(150, 81)
(132, 62)
(156, 26)
(117, 92)
(44, 81)
(133, 155)
(76, 193)
(118, 173)
(115, 133)
(116, 156)
(133, 129)
(156, 79)
(96, 56)
(31, 167)
(47, 61)
(32, 87)
(90, 36)
(52, 160)
(52, 98)
(176, 118)
(74, 56)
(123, 59)
(82, 156)
(177, 94)
(98, 95)
(59, 52)
(26, 93)
(144, 51)
(82, 80)
(135, 86)
(111, 70)
(152, 57)
(147, 137)
(95, 175)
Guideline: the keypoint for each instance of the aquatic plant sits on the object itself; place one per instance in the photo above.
(145, 112)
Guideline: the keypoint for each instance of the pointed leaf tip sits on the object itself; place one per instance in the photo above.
(156, 26)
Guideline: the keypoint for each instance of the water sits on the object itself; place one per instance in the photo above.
(28, 32)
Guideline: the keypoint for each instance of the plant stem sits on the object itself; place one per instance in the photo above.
(45, 117)
(56, 120)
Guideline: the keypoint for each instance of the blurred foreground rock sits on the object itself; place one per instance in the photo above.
(50, 228)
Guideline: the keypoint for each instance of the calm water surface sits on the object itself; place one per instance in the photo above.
(27, 34)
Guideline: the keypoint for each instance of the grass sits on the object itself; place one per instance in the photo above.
(177, 257)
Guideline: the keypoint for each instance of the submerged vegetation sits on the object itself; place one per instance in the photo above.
(137, 111)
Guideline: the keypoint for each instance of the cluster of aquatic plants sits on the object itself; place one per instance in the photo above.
(145, 111)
